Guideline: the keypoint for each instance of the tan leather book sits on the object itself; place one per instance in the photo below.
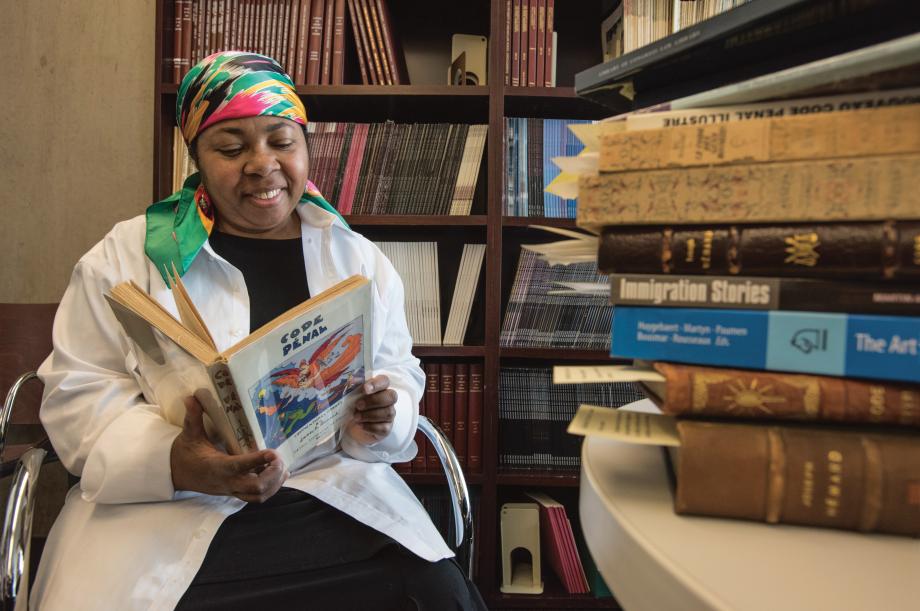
(800, 475)
(876, 131)
(864, 188)
(714, 392)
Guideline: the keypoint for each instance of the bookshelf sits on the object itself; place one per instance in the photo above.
(424, 30)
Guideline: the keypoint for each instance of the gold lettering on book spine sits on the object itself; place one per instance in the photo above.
(776, 490)
(748, 396)
(874, 482)
(834, 487)
(802, 249)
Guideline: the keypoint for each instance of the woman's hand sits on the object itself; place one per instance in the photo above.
(374, 412)
(199, 466)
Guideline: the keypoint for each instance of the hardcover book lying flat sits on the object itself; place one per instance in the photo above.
(288, 386)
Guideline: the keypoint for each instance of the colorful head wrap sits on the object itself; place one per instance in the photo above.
(228, 85)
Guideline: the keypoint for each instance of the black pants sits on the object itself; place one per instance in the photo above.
(296, 552)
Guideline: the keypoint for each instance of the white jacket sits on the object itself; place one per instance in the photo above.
(125, 538)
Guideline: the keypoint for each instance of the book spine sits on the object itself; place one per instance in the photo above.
(432, 409)
(359, 45)
(807, 476)
(316, 42)
(186, 37)
(232, 407)
(525, 28)
(303, 41)
(377, 34)
(541, 43)
(531, 43)
(393, 51)
(326, 62)
(338, 44)
(446, 415)
(290, 65)
(881, 131)
(866, 188)
(708, 392)
(548, 44)
(461, 413)
(366, 44)
(857, 345)
(508, 44)
(474, 401)
(889, 250)
(176, 61)
(419, 463)
(753, 293)
(374, 55)
(516, 43)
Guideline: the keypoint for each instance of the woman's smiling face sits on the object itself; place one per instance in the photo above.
(255, 171)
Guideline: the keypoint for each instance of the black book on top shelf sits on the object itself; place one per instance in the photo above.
(756, 38)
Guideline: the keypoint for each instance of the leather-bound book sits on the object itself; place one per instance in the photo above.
(446, 413)
(338, 43)
(800, 475)
(374, 52)
(393, 49)
(359, 44)
(474, 448)
(516, 43)
(315, 47)
(419, 463)
(715, 392)
(828, 250)
(461, 412)
(432, 409)
(325, 71)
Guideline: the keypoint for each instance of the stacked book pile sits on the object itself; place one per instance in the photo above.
(767, 265)
(307, 37)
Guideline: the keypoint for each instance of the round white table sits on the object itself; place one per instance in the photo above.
(652, 559)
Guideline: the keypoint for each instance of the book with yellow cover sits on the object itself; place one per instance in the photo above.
(288, 386)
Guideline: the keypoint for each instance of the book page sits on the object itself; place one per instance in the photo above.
(625, 425)
(593, 374)
(297, 382)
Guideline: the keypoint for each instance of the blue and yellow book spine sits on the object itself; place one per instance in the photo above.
(852, 345)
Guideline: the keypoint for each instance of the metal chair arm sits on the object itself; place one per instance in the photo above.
(461, 508)
(7, 413)
(16, 538)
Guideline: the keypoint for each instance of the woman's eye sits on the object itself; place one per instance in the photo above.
(284, 144)
(230, 152)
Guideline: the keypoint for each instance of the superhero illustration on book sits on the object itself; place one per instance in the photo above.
(319, 375)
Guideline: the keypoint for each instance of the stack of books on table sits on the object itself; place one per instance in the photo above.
(767, 268)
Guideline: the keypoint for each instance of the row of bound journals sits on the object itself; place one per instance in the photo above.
(307, 37)
(453, 401)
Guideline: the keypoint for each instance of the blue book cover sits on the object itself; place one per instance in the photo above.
(852, 345)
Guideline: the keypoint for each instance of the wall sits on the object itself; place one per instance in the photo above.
(76, 135)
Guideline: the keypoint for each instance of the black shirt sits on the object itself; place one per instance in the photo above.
(274, 271)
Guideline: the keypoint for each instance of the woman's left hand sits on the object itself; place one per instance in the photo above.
(374, 412)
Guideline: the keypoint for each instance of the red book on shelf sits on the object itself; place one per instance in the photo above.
(558, 539)
(461, 412)
(370, 46)
(508, 13)
(380, 57)
(474, 419)
(352, 169)
(186, 37)
(525, 28)
(290, 52)
(393, 49)
(515, 43)
(315, 47)
(532, 44)
(325, 70)
(338, 43)
(303, 41)
(419, 462)
(359, 44)
(549, 58)
(432, 409)
(446, 414)
(176, 63)
(541, 43)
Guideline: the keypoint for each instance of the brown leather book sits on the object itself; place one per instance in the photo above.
(376, 33)
(432, 409)
(541, 43)
(548, 44)
(394, 53)
(810, 476)
(461, 412)
(446, 411)
(532, 14)
(186, 37)
(325, 73)
(508, 17)
(714, 392)
(315, 48)
(871, 188)
(338, 43)
(176, 61)
(525, 28)
(474, 419)
(888, 250)
(419, 462)
(516, 43)
(303, 41)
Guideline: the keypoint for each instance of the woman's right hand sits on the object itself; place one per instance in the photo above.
(199, 466)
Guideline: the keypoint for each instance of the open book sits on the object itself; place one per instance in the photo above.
(288, 386)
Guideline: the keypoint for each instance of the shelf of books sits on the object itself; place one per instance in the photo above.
(443, 163)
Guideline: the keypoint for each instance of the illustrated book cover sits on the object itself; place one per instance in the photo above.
(288, 386)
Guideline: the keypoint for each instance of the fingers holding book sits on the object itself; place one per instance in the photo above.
(374, 412)
(199, 466)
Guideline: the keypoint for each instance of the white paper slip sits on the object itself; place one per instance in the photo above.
(624, 425)
(593, 374)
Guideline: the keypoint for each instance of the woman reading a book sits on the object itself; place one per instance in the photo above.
(165, 518)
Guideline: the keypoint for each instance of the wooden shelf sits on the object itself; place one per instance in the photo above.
(424, 479)
(402, 220)
(526, 221)
(540, 92)
(375, 90)
(550, 102)
(557, 354)
(537, 478)
(448, 351)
